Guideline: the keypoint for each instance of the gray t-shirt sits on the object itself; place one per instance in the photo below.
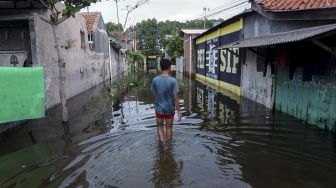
(164, 87)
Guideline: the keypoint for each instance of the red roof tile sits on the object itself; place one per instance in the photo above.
(91, 19)
(296, 4)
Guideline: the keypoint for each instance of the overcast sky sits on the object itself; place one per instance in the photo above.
(180, 10)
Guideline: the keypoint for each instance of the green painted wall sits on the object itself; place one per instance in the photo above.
(314, 101)
(22, 93)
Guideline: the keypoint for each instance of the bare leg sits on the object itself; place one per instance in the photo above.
(169, 127)
(159, 125)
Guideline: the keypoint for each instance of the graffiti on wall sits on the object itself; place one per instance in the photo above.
(212, 59)
(200, 59)
(312, 101)
(230, 66)
(229, 61)
(222, 65)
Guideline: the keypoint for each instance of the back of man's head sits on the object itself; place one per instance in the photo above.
(165, 64)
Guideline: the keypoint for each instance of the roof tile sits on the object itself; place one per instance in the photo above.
(91, 19)
(296, 4)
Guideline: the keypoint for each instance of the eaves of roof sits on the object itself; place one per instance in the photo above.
(282, 38)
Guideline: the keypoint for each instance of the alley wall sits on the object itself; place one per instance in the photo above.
(84, 68)
(255, 85)
(220, 67)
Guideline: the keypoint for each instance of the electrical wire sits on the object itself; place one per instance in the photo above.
(221, 7)
(222, 10)
(247, 5)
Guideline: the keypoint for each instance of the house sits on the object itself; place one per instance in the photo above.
(24, 36)
(188, 46)
(220, 67)
(126, 39)
(279, 54)
(96, 31)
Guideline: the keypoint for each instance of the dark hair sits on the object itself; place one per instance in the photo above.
(165, 64)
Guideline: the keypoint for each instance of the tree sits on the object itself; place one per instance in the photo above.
(129, 9)
(117, 6)
(152, 35)
(57, 17)
(197, 24)
(112, 27)
(135, 58)
(148, 36)
(174, 46)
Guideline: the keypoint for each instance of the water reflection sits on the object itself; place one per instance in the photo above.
(166, 171)
(224, 141)
(216, 106)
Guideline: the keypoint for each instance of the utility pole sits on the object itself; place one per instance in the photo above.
(205, 10)
(117, 6)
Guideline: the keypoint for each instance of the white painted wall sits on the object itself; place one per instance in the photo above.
(84, 68)
(254, 85)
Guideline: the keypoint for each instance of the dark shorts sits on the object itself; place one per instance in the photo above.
(160, 116)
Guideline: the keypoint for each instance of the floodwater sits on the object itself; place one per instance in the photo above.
(223, 141)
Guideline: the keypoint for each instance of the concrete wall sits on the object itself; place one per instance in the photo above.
(254, 85)
(313, 101)
(258, 25)
(186, 51)
(189, 60)
(84, 68)
(220, 67)
(115, 63)
(101, 40)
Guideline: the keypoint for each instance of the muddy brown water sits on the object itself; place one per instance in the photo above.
(223, 141)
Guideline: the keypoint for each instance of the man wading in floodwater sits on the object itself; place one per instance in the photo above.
(165, 89)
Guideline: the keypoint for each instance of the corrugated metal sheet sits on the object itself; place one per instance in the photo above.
(193, 31)
(281, 38)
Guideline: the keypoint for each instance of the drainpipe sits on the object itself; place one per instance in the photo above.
(190, 54)
(109, 47)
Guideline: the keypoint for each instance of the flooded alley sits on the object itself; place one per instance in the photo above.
(222, 141)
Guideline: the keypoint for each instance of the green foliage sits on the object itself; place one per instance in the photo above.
(135, 57)
(174, 46)
(127, 81)
(112, 27)
(71, 7)
(199, 24)
(148, 36)
(152, 34)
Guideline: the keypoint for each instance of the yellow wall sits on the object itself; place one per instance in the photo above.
(236, 26)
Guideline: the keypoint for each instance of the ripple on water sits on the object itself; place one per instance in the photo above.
(221, 144)
(132, 156)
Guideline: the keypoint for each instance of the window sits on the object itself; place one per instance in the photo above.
(261, 59)
(82, 37)
(90, 39)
